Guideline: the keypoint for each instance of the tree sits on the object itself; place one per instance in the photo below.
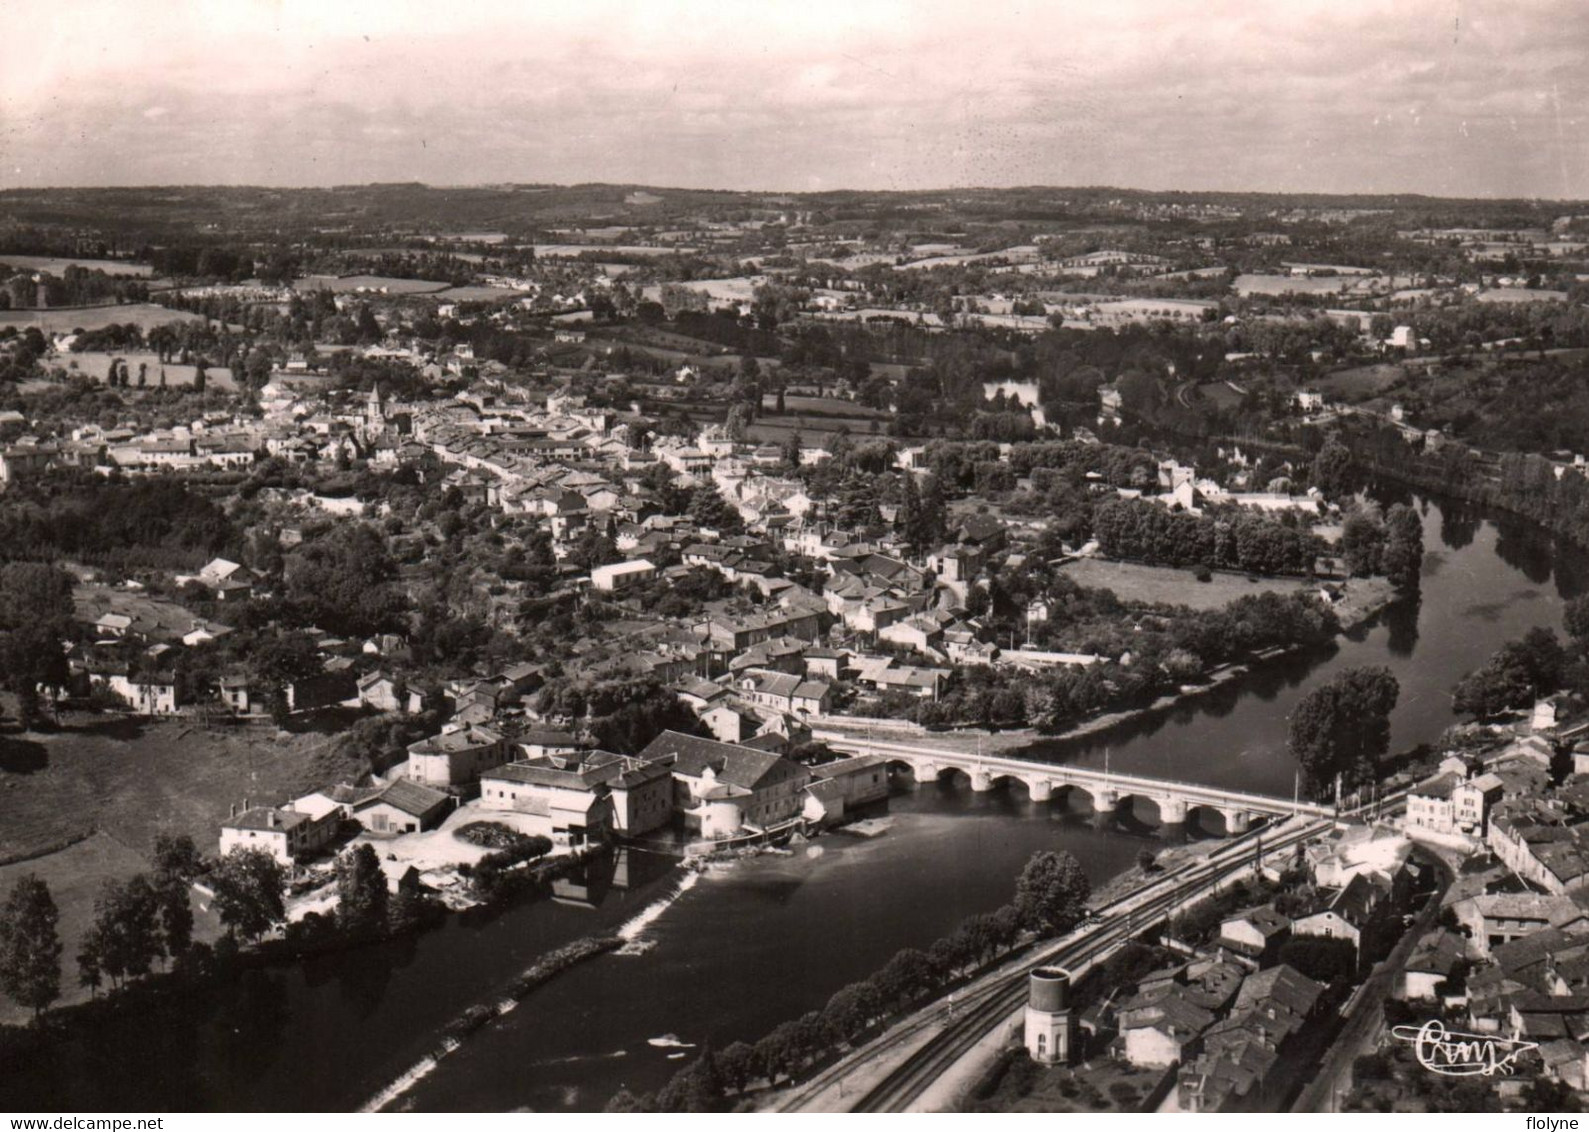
(625, 1101)
(1343, 727)
(1402, 558)
(851, 1009)
(1518, 673)
(777, 1052)
(91, 963)
(1328, 961)
(740, 418)
(697, 1088)
(30, 945)
(904, 978)
(737, 1065)
(34, 593)
(708, 508)
(127, 928)
(248, 886)
(176, 913)
(344, 582)
(177, 856)
(1052, 892)
(362, 895)
(1576, 617)
(1363, 540)
(1332, 469)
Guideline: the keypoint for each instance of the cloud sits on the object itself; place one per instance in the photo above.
(1443, 96)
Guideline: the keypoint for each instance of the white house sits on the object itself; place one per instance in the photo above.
(619, 576)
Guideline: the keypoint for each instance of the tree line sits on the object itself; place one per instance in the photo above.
(147, 919)
(1051, 897)
(1146, 532)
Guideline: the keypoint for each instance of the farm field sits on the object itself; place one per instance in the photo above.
(64, 320)
(132, 778)
(914, 318)
(54, 265)
(1303, 285)
(1167, 585)
(1221, 394)
(816, 430)
(1360, 382)
(96, 365)
(479, 294)
(736, 289)
(663, 343)
(92, 601)
(123, 781)
(380, 284)
(75, 876)
(574, 251)
(473, 238)
(795, 405)
(1014, 255)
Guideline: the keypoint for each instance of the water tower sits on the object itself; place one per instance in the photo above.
(1050, 1021)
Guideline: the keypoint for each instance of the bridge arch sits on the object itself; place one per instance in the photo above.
(1141, 808)
(1075, 797)
(1035, 785)
(1205, 817)
(907, 772)
(946, 773)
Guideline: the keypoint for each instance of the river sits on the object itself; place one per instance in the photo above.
(755, 943)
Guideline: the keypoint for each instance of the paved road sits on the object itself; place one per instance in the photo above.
(1365, 1020)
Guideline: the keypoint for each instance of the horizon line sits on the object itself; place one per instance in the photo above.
(474, 186)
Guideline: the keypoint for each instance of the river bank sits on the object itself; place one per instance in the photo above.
(331, 1033)
(1363, 600)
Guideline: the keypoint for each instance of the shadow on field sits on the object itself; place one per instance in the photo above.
(21, 756)
(124, 727)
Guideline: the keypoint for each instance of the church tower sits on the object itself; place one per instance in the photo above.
(374, 414)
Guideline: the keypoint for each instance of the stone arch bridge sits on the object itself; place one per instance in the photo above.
(1175, 800)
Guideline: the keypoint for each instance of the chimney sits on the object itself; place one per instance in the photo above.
(270, 819)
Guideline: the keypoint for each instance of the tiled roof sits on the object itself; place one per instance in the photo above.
(266, 818)
(730, 762)
(409, 796)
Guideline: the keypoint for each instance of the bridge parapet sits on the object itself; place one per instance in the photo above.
(1174, 799)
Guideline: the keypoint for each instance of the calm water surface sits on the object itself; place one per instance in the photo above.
(763, 941)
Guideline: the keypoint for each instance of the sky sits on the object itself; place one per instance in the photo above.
(1481, 98)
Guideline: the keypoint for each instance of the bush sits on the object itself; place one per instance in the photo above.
(531, 846)
(1202, 573)
(490, 835)
(1125, 1095)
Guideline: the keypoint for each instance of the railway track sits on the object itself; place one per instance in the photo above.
(1120, 920)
